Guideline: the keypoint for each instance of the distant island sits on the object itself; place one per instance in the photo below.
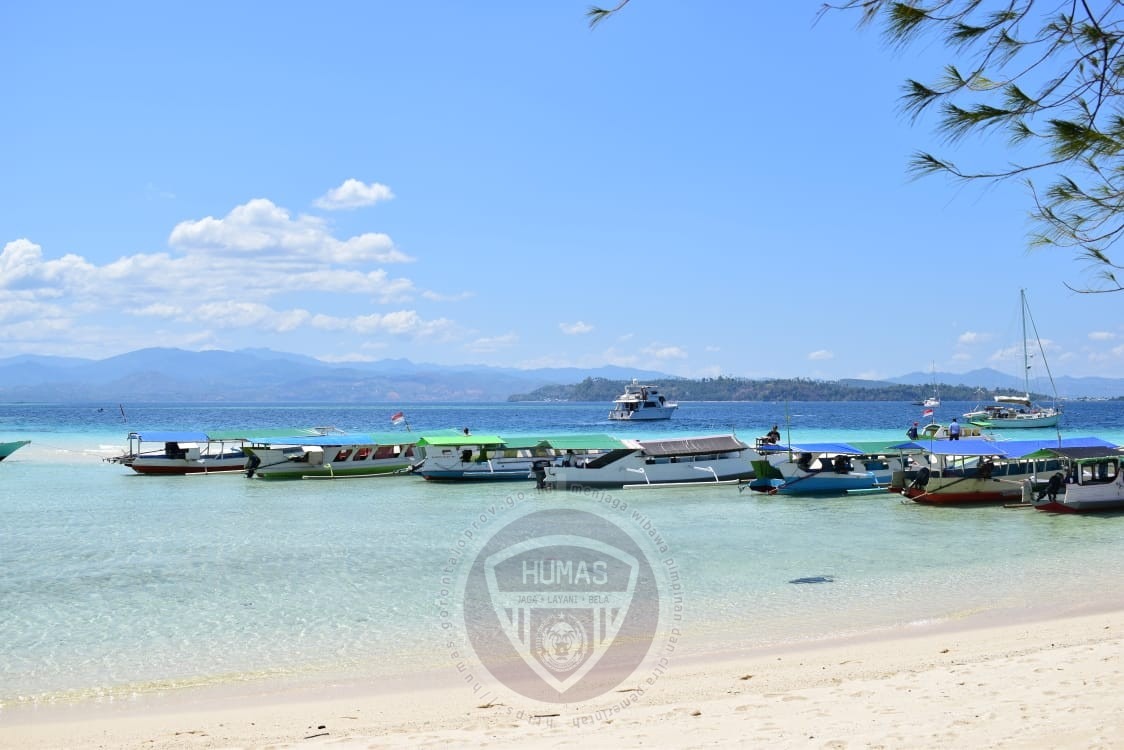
(746, 389)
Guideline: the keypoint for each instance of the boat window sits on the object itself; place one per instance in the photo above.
(361, 454)
(386, 451)
(343, 454)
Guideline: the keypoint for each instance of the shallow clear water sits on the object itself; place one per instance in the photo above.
(114, 583)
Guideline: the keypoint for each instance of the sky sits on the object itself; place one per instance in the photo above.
(702, 189)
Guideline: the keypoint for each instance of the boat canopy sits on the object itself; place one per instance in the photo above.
(342, 438)
(581, 442)
(845, 449)
(169, 436)
(1078, 453)
(692, 446)
(196, 436)
(1004, 449)
(462, 439)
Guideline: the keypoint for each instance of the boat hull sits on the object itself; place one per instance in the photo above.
(635, 471)
(7, 449)
(175, 466)
(328, 461)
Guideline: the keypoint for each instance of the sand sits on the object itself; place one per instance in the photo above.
(1053, 683)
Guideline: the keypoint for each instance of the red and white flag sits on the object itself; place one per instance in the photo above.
(398, 418)
(927, 413)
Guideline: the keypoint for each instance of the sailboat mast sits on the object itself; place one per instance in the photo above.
(1026, 358)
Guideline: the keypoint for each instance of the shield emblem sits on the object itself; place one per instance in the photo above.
(561, 600)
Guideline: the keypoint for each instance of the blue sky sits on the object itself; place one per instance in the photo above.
(702, 189)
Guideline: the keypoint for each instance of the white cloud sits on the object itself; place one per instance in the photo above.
(574, 329)
(821, 355)
(973, 337)
(493, 343)
(354, 194)
(665, 352)
(438, 297)
(1102, 336)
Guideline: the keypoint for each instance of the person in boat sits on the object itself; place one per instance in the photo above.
(1052, 487)
(911, 433)
(954, 430)
(985, 468)
(773, 435)
(804, 462)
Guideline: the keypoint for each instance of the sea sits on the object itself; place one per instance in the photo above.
(116, 586)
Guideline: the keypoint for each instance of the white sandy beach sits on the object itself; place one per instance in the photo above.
(1055, 683)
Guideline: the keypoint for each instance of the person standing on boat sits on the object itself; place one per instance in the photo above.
(911, 433)
(954, 430)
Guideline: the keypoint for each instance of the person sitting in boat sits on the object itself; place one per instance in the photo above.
(841, 464)
(804, 463)
(773, 435)
(985, 468)
(911, 433)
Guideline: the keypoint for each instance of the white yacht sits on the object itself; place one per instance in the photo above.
(640, 402)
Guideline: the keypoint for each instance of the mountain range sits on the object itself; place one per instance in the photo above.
(262, 375)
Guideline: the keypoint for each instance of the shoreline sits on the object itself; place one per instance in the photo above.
(1038, 682)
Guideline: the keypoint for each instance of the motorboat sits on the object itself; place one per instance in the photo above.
(641, 402)
(330, 456)
(824, 468)
(7, 449)
(477, 458)
(171, 452)
(635, 464)
(975, 471)
(1090, 480)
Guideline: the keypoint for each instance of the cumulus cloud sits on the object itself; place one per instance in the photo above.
(820, 355)
(1102, 336)
(574, 329)
(261, 229)
(354, 194)
(219, 274)
(973, 337)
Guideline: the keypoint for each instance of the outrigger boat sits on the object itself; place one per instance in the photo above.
(7, 449)
(824, 468)
(1090, 480)
(330, 456)
(494, 458)
(640, 464)
(191, 452)
(976, 471)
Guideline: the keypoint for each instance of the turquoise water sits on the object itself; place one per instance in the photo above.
(117, 584)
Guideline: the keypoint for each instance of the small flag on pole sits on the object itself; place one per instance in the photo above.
(398, 418)
(927, 413)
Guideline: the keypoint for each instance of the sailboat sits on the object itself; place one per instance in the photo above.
(1011, 412)
(932, 402)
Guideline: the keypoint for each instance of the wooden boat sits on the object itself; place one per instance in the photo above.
(1091, 480)
(640, 403)
(7, 449)
(330, 456)
(824, 468)
(172, 452)
(493, 458)
(705, 460)
(976, 471)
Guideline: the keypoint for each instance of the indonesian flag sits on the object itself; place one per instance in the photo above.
(398, 418)
(927, 413)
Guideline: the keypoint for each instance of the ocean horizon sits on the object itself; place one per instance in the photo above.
(118, 586)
